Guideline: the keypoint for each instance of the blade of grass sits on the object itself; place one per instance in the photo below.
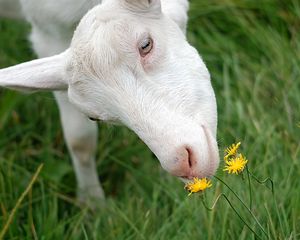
(21, 198)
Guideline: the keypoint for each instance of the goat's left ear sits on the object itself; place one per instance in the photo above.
(41, 74)
(145, 6)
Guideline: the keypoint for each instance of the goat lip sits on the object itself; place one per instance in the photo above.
(184, 180)
(188, 179)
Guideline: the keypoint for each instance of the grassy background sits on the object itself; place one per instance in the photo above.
(252, 49)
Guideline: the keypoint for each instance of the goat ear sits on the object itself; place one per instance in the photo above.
(41, 74)
(143, 6)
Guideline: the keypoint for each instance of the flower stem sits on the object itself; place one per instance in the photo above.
(273, 195)
(263, 181)
(256, 220)
(233, 208)
(250, 187)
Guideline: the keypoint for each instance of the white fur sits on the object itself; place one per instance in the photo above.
(10, 9)
(165, 97)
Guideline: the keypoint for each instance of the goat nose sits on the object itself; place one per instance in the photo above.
(184, 163)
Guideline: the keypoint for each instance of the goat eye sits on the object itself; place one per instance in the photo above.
(93, 119)
(146, 46)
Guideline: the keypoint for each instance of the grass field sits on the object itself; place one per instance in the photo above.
(252, 49)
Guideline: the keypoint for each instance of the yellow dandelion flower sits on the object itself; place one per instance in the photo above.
(236, 165)
(231, 151)
(198, 185)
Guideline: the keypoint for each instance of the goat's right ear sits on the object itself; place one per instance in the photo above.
(41, 74)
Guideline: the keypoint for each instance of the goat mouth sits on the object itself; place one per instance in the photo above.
(187, 179)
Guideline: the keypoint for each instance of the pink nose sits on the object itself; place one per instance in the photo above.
(185, 163)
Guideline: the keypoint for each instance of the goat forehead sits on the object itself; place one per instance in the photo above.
(105, 52)
(118, 38)
(110, 41)
(119, 31)
(120, 28)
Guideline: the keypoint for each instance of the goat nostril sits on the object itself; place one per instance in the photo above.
(189, 157)
(185, 162)
(191, 160)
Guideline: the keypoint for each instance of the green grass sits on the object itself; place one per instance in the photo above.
(252, 49)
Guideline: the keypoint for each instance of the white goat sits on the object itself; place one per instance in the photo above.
(128, 62)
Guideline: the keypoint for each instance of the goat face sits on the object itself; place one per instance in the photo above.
(130, 63)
